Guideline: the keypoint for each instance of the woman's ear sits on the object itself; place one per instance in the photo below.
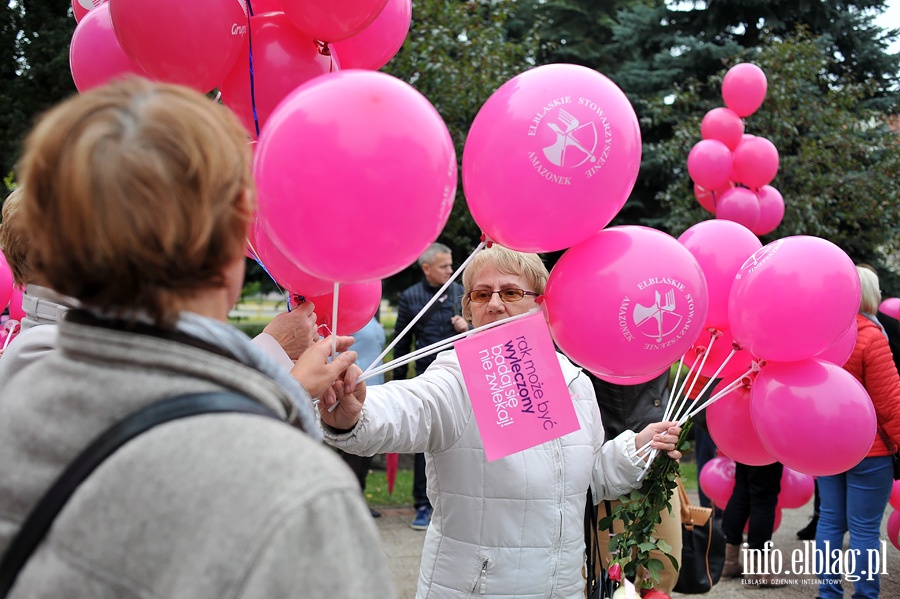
(246, 202)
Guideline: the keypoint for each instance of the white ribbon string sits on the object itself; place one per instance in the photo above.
(440, 291)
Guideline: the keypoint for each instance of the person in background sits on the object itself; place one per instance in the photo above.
(368, 346)
(137, 199)
(442, 321)
(514, 526)
(854, 501)
(633, 407)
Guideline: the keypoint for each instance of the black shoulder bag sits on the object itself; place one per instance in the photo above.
(599, 584)
(51, 504)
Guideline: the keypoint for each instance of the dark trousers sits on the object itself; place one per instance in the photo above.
(754, 498)
(420, 482)
(360, 466)
(706, 450)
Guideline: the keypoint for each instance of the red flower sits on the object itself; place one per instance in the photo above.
(615, 572)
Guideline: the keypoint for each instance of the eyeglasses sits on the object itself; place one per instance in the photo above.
(483, 296)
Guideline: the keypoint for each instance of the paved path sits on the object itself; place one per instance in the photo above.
(404, 549)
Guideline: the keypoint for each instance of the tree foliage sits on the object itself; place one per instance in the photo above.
(839, 158)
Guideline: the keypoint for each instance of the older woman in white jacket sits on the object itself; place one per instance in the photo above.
(511, 527)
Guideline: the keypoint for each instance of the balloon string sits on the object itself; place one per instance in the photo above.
(334, 319)
(422, 312)
(439, 346)
(252, 79)
(283, 292)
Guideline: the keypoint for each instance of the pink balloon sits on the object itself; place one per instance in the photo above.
(285, 272)
(334, 20)
(636, 288)
(793, 299)
(839, 352)
(376, 45)
(891, 307)
(744, 88)
(720, 350)
(797, 489)
(356, 174)
(893, 529)
(630, 380)
(706, 198)
(755, 162)
(721, 247)
(771, 210)
(357, 304)
(794, 405)
(894, 500)
(15, 304)
(263, 6)
(6, 282)
(193, 43)
(739, 205)
(730, 426)
(283, 58)
(717, 479)
(556, 135)
(724, 125)
(709, 163)
(95, 55)
(80, 8)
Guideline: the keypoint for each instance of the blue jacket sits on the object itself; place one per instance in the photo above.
(432, 327)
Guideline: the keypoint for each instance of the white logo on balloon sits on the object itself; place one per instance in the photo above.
(665, 319)
(89, 4)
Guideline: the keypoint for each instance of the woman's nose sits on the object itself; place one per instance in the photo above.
(496, 303)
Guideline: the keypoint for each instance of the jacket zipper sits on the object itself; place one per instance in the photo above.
(482, 578)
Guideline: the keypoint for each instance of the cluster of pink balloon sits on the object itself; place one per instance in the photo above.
(732, 170)
(797, 340)
(893, 526)
(206, 44)
(717, 480)
(890, 306)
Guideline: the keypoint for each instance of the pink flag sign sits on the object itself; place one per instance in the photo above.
(516, 386)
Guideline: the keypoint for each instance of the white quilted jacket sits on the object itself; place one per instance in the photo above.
(508, 528)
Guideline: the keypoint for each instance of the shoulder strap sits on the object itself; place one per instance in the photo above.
(44, 513)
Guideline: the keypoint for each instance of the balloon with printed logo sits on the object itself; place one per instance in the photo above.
(717, 479)
(636, 288)
(556, 135)
(797, 489)
(80, 8)
(286, 272)
(283, 58)
(6, 282)
(334, 20)
(755, 162)
(731, 428)
(744, 88)
(717, 351)
(894, 500)
(839, 352)
(794, 405)
(357, 304)
(893, 528)
(816, 301)
(891, 307)
(95, 55)
(721, 247)
(771, 210)
(193, 43)
(709, 164)
(376, 45)
(724, 125)
(16, 312)
(356, 174)
(739, 205)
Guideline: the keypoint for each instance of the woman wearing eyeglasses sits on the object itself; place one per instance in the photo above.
(512, 527)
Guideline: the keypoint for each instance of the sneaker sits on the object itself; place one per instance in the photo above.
(423, 518)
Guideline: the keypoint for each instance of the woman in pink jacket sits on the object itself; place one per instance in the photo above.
(854, 501)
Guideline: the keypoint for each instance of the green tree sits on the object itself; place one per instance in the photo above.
(34, 69)
(839, 158)
(457, 54)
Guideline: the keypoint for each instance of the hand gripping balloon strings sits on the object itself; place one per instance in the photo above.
(439, 346)
(440, 291)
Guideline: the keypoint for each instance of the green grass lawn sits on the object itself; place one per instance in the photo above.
(377, 494)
